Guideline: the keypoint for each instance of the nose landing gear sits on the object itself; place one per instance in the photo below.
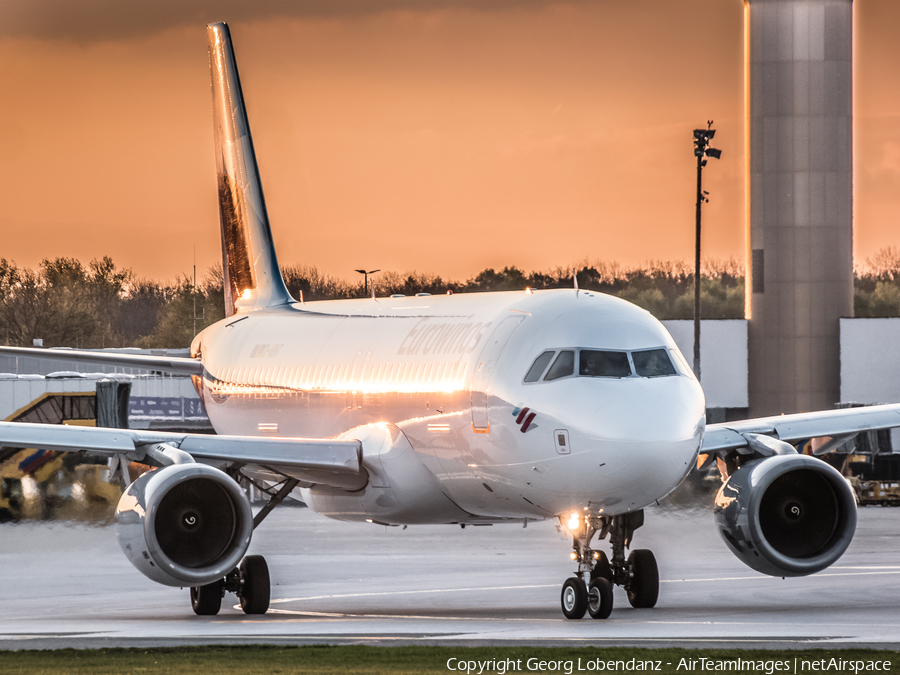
(638, 575)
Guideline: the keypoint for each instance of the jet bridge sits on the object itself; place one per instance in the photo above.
(39, 483)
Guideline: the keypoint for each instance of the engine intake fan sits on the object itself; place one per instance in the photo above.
(184, 524)
(789, 515)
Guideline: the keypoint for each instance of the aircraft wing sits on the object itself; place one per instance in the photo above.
(169, 364)
(838, 424)
(329, 462)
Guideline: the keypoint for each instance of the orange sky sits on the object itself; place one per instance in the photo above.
(417, 134)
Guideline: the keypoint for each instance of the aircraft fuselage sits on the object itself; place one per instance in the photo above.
(474, 442)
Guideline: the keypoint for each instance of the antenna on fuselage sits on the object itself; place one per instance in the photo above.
(575, 277)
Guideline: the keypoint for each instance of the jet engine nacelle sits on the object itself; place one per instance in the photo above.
(787, 516)
(184, 524)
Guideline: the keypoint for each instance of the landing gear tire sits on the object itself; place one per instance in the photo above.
(255, 587)
(643, 586)
(602, 568)
(600, 598)
(207, 600)
(574, 598)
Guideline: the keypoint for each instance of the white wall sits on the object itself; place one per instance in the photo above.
(870, 360)
(723, 358)
(19, 392)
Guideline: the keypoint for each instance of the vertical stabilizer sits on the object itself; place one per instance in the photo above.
(252, 277)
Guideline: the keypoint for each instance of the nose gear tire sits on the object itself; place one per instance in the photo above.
(600, 598)
(574, 598)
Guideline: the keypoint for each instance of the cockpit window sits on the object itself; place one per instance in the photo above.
(538, 367)
(653, 363)
(681, 365)
(659, 362)
(593, 363)
(563, 366)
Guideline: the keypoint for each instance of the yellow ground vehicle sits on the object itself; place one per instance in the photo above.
(19, 489)
(883, 492)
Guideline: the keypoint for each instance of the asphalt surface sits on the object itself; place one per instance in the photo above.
(70, 586)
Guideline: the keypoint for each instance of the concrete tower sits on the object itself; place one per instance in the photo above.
(800, 194)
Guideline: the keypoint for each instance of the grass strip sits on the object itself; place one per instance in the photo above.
(416, 660)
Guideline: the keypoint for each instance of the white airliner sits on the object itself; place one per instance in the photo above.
(457, 409)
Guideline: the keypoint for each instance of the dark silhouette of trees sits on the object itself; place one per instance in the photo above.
(186, 311)
(308, 283)
(66, 303)
(62, 302)
(876, 286)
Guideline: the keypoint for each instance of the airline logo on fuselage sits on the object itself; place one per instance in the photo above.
(427, 338)
(525, 419)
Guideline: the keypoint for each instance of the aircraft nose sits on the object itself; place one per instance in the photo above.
(647, 414)
(647, 438)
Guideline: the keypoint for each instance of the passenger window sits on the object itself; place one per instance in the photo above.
(538, 367)
(592, 363)
(563, 366)
(653, 363)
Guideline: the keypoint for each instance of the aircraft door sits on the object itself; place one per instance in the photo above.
(481, 381)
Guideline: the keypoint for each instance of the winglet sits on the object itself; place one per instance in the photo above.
(251, 274)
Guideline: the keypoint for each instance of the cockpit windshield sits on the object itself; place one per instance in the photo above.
(556, 364)
(562, 367)
(539, 366)
(653, 363)
(592, 363)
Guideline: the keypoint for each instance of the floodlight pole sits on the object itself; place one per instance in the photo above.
(700, 163)
(702, 137)
(366, 274)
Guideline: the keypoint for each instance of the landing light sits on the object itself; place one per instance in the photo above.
(574, 521)
(573, 555)
(596, 555)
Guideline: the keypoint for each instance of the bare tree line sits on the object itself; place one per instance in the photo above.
(67, 303)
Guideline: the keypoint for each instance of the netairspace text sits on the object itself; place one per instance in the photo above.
(692, 665)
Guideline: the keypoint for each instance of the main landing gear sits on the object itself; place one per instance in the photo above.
(250, 582)
(638, 574)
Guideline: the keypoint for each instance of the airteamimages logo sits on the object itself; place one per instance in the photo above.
(703, 664)
(525, 419)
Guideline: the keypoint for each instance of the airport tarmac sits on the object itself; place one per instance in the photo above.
(343, 583)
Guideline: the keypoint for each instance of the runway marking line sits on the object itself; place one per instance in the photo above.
(344, 615)
(766, 577)
(316, 616)
(415, 592)
(866, 567)
(872, 571)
